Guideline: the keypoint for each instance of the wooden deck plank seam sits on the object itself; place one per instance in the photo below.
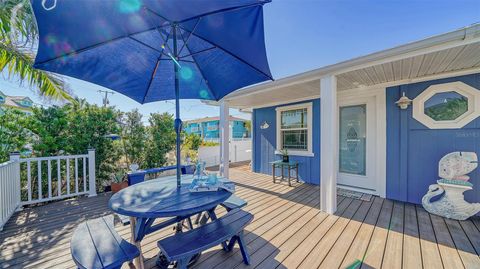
(356, 232)
(366, 248)
(329, 228)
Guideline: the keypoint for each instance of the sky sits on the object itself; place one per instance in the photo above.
(302, 35)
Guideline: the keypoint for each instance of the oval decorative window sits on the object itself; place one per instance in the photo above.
(447, 106)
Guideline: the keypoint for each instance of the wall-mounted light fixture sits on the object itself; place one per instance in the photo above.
(403, 102)
(264, 125)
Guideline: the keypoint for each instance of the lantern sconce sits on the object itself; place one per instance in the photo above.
(264, 125)
(403, 102)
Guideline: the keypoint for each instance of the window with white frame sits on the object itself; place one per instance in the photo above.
(447, 105)
(294, 129)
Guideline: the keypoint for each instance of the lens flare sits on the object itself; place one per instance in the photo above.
(51, 39)
(204, 94)
(129, 6)
(186, 73)
(103, 29)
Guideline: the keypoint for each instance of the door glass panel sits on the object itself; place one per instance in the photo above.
(352, 155)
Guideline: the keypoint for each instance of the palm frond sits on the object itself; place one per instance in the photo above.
(16, 62)
(18, 37)
(17, 23)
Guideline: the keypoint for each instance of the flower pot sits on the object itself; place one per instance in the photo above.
(285, 158)
(116, 187)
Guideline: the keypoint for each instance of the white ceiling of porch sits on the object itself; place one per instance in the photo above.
(448, 60)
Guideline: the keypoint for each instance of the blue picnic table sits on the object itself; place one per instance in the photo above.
(160, 198)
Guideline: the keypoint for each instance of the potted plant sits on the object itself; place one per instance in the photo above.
(284, 153)
(118, 181)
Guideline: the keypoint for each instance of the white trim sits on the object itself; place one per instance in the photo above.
(346, 187)
(279, 110)
(472, 113)
(297, 153)
(353, 96)
(293, 100)
(370, 87)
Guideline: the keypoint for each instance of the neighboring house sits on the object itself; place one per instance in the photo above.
(343, 125)
(20, 103)
(207, 128)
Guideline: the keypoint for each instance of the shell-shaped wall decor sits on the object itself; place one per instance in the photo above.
(453, 168)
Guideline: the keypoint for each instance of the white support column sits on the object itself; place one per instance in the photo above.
(224, 138)
(92, 188)
(328, 144)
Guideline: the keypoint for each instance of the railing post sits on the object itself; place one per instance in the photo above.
(15, 156)
(92, 189)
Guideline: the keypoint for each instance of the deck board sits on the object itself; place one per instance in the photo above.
(412, 255)
(288, 231)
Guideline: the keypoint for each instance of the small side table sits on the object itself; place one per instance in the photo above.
(290, 165)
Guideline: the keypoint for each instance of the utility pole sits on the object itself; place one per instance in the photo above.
(105, 99)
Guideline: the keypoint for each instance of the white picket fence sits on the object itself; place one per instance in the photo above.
(239, 151)
(43, 179)
(9, 190)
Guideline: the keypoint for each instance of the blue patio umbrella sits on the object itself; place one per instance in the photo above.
(152, 50)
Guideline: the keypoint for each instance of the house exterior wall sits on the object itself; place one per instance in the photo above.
(413, 150)
(211, 129)
(264, 143)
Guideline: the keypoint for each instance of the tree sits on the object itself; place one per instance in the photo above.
(192, 141)
(134, 137)
(248, 126)
(18, 40)
(13, 134)
(161, 139)
(191, 144)
(89, 127)
(50, 126)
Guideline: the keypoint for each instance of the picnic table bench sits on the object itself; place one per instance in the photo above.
(181, 247)
(95, 244)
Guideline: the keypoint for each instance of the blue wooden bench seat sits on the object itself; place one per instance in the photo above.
(233, 202)
(96, 244)
(182, 247)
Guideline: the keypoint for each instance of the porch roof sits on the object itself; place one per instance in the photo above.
(448, 54)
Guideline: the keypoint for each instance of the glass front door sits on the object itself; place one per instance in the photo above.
(353, 140)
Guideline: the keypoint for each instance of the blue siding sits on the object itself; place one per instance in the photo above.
(413, 150)
(264, 144)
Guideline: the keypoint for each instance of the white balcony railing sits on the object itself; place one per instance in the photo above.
(43, 179)
(52, 178)
(9, 189)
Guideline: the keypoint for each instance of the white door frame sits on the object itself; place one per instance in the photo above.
(365, 182)
(375, 99)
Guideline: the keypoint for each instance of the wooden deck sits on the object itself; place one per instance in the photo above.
(288, 232)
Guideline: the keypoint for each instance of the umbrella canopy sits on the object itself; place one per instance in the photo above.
(128, 45)
(152, 50)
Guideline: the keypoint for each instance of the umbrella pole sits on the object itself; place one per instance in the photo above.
(178, 122)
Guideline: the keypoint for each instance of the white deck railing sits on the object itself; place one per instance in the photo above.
(45, 179)
(9, 190)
